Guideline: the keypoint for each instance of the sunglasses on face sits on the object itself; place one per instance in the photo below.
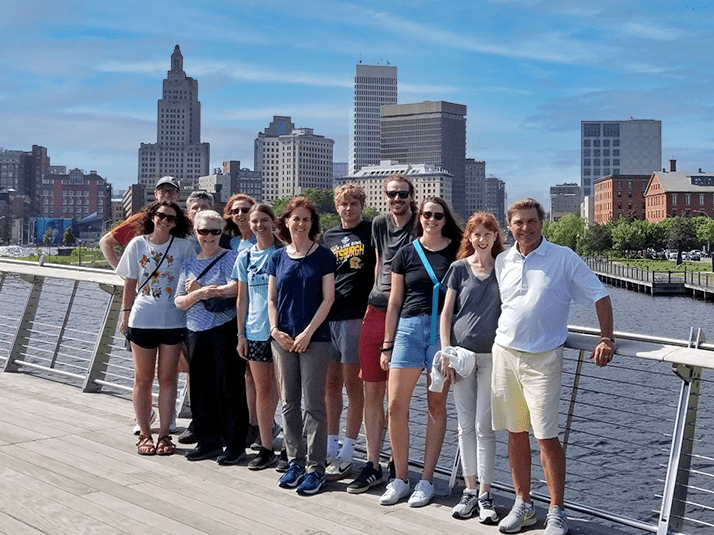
(436, 215)
(400, 194)
(207, 231)
(242, 210)
(167, 217)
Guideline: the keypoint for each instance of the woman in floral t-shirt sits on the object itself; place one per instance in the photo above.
(156, 328)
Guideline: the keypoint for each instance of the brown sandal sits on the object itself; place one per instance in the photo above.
(146, 446)
(164, 446)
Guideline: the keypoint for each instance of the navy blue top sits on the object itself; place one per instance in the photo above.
(299, 283)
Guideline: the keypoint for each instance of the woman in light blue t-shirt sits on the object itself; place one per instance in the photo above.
(251, 271)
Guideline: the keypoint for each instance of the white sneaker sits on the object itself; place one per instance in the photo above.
(396, 490)
(556, 522)
(152, 419)
(467, 506)
(486, 511)
(338, 469)
(422, 495)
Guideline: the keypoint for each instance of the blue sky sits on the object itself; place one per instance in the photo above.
(83, 77)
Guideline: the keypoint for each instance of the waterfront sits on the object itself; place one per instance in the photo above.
(619, 437)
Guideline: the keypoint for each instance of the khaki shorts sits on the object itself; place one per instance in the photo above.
(525, 391)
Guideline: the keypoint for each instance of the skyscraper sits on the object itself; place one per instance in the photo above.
(428, 132)
(615, 148)
(292, 160)
(375, 86)
(178, 150)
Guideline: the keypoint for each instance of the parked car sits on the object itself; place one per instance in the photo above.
(694, 255)
(671, 255)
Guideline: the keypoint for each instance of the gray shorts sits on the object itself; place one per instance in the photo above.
(345, 341)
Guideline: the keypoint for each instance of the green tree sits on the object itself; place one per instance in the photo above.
(682, 234)
(705, 232)
(566, 231)
(47, 237)
(324, 201)
(596, 239)
(68, 236)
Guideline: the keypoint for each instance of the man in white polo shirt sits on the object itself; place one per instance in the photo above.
(537, 281)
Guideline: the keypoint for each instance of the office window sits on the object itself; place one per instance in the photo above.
(596, 142)
(674, 199)
(605, 142)
(586, 143)
(687, 199)
(611, 130)
(591, 130)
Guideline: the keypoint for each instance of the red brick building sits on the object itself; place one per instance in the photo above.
(621, 195)
(670, 194)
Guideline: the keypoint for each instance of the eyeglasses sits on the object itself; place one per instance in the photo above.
(400, 194)
(436, 215)
(207, 231)
(167, 217)
(242, 210)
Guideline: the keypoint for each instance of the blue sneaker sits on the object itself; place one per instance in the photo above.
(311, 484)
(293, 477)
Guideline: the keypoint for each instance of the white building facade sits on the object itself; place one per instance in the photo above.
(375, 86)
(292, 160)
(615, 148)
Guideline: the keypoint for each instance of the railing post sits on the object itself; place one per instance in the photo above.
(102, 348)
(64, 324)
(573, 396)
(675, 487)
(22, 335)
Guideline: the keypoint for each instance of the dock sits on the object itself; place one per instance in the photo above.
(69, 465)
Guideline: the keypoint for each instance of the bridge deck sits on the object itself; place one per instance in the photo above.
(68, 465)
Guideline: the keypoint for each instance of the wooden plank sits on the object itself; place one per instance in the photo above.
(10, 525)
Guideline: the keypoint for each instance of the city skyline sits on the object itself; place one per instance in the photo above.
(83, 78)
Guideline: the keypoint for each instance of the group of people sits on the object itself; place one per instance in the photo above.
(366, 306)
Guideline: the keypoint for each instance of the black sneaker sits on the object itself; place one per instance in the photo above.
(283, 463)
(264, 459)
(367, 478)
(230, 456)
(201, 453)
(187, 437)
(252, 435)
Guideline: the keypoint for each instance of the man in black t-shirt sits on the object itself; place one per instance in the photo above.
(351, 243)
(389, 234)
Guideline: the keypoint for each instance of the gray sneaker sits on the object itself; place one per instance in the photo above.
(486, 511)
(556, 522)
(467, 506)
(522, 514)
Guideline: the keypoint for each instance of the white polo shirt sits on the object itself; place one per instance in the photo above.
(536, 291)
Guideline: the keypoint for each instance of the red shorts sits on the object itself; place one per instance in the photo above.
(371, 337)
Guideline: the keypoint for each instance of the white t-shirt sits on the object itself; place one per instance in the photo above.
(154, 306)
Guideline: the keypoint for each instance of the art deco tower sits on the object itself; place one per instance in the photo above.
(178, 150)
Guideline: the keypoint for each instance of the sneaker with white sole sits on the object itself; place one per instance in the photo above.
(486, 511)
(293, 477)
(311, 484)
(368, 477)
(467, 506)
(338, 469)
(556, 522)
(422, 495)
(522, 514)
(152, 419)
(396, 490)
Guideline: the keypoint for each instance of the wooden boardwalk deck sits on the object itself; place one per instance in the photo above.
(68, 465)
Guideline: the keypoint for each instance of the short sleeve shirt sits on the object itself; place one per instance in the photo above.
(536, 291)
(299, 283)
(477, 307)
(387, 239)
(197, 317)
(124, 232)
(252, 269)
(154, 306)
(238, 244)
(354, 274)
(419, 287)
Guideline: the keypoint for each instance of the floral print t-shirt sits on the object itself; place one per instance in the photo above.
(154, 306)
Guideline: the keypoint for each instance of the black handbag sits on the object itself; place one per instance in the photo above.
(217, 304)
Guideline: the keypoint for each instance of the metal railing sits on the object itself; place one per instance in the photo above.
(702, 279)
(639, 438)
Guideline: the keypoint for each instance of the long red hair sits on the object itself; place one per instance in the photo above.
(489, 221)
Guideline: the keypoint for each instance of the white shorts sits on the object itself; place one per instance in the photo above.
(525, 391)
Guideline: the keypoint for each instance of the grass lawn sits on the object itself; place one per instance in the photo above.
(664, 265)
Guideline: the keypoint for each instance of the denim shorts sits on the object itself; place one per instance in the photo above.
(411, 344)
(345, 341)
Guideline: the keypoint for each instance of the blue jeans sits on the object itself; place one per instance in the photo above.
(411, 343)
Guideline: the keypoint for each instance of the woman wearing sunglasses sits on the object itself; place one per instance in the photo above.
(237, 227)
(207, 292)
(468, 325)
(150, 320)
(411, 339)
